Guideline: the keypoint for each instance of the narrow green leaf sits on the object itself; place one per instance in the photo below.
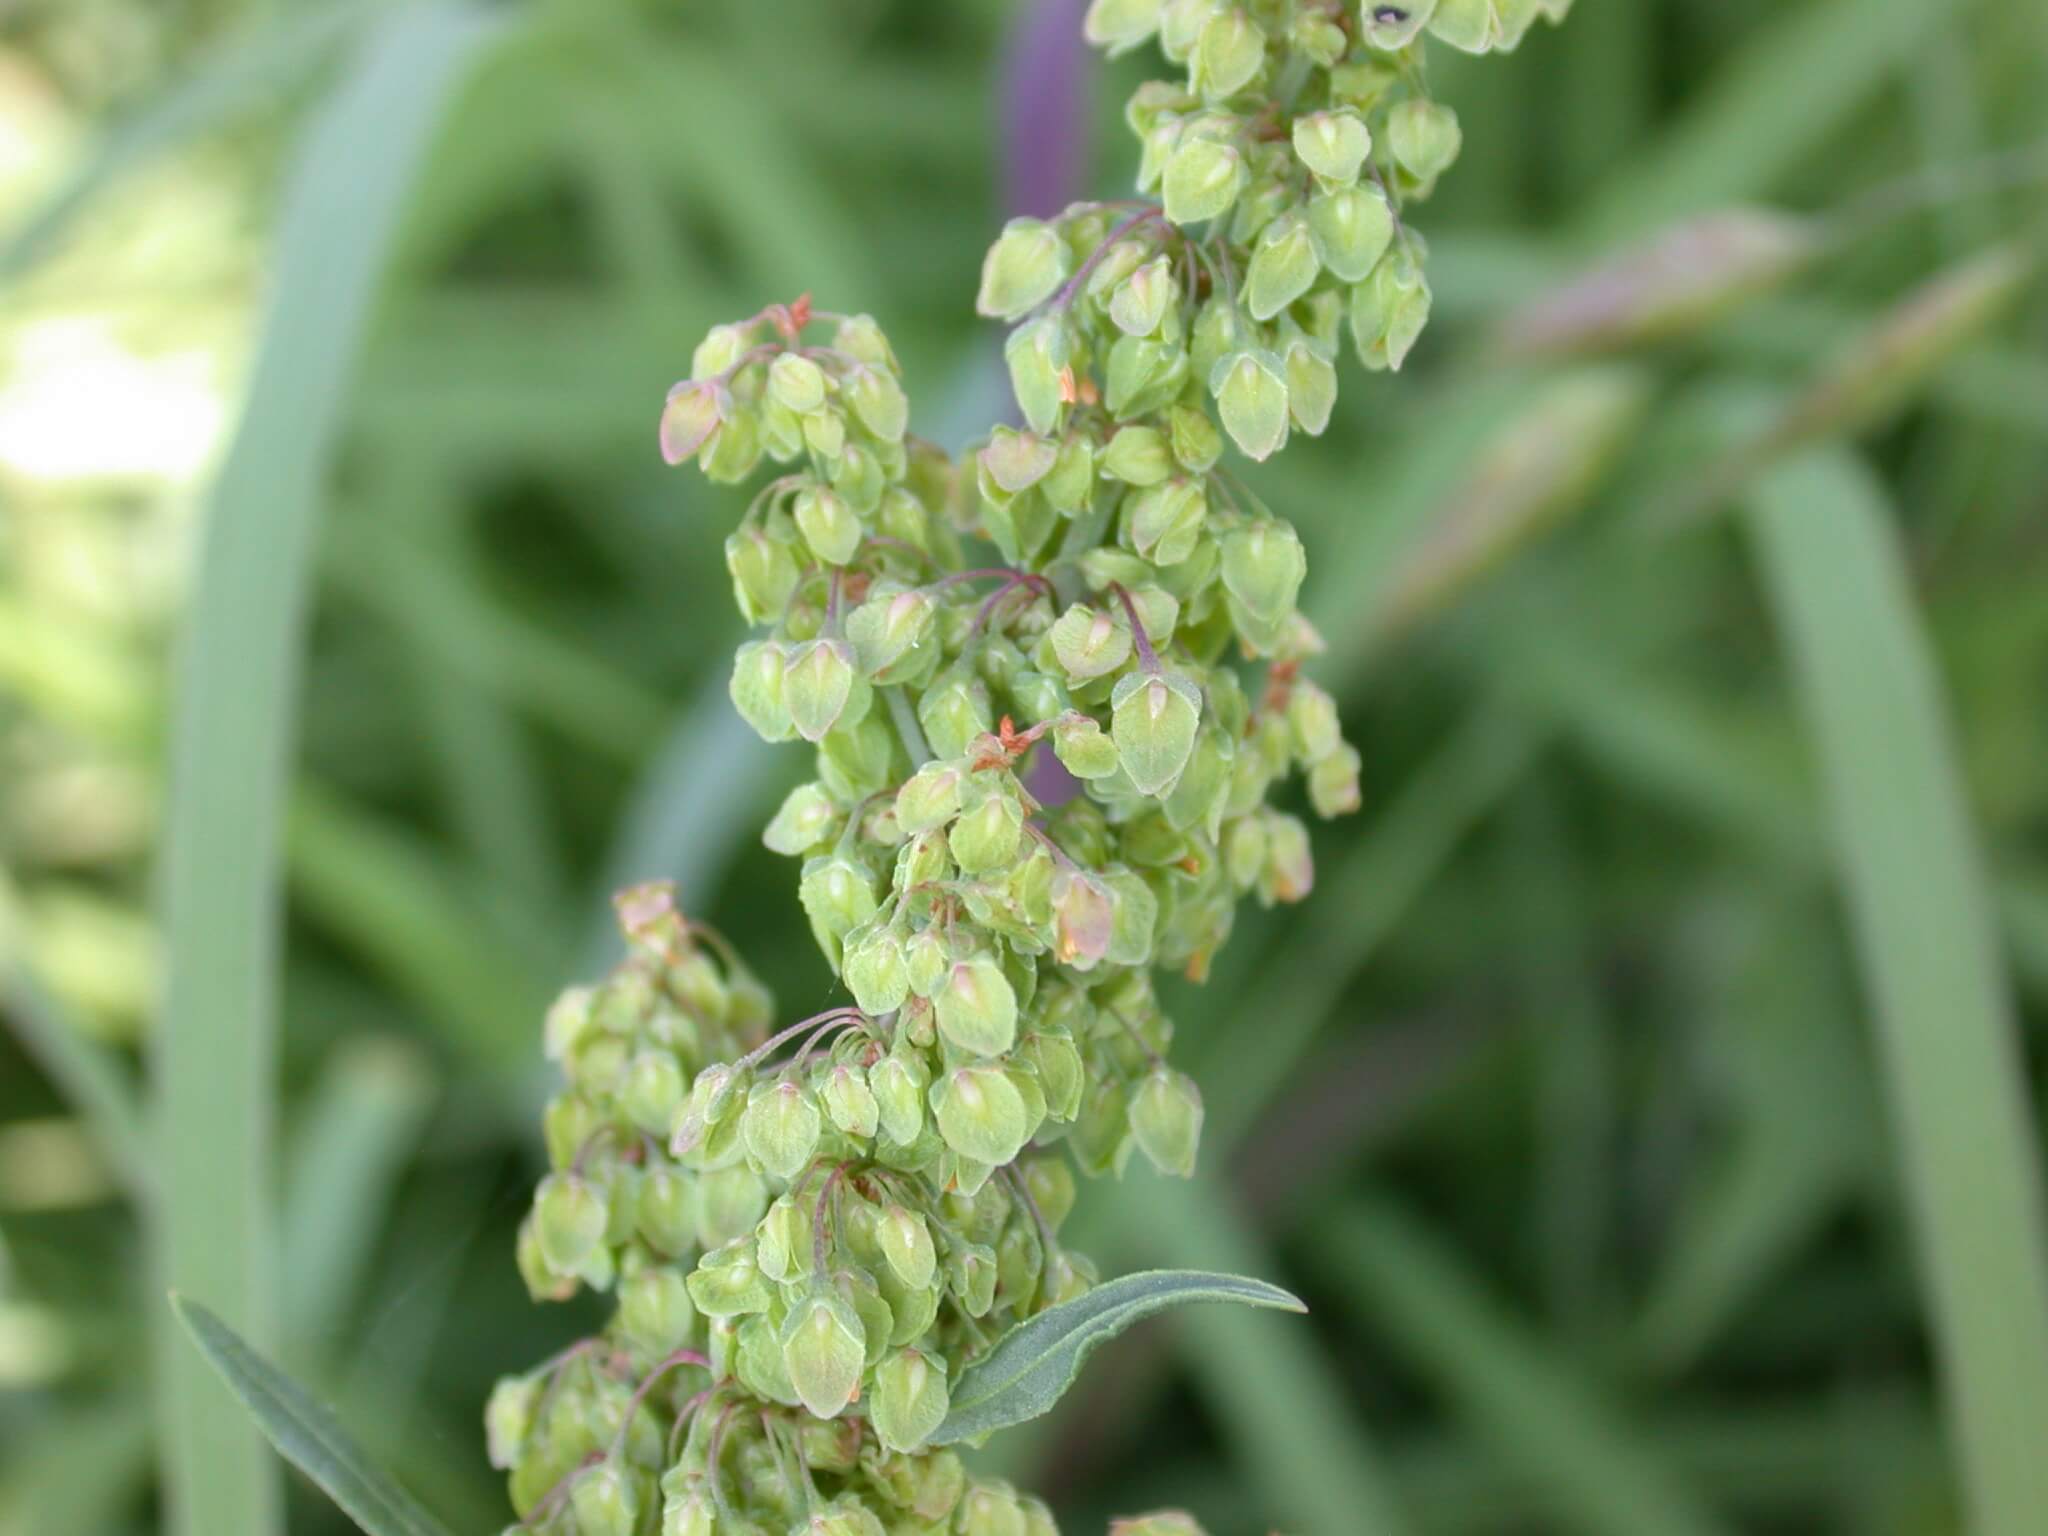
(305, 1434)
(1911, 875)
(1035, 1363)
(232, 734)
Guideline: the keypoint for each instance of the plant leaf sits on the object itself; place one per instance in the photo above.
(305, 1434)
(1035, 1363)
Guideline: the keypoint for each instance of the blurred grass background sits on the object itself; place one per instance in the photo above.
(1642, 1100)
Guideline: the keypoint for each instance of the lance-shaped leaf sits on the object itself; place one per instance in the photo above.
(1034, 1364)
(305, 1433)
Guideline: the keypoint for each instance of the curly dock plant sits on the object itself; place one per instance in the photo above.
(1040, 775)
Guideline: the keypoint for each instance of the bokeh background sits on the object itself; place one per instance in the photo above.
(1641, 1100)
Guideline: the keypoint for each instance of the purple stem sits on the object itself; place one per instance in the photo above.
(1045, 111)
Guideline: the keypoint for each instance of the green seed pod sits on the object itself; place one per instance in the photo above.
(1393, 27)
(850, 1102)
(1284, 266)
(991, 1509)
(1083, 749)
(909, 1401)
(1196, 443)
(728, 1204)
(1137, 914)
(568, 1022)
(929, 798)
(1144, 302)
(838, 895)
(899, 1081)
(987, 838)
(731, 453)
(1483, 26)
(1090, 643)
(971, 1277)
(818, 685)
(926, 961)
(977, 1012)
(655, 1310)
(1071, 482)
(689, 1512)
(1352, 228)
(875, 973)
(757, 689)
(1121, 25)
(1332, 144)
(1424, 136)
(781, 1127)
(605, 1501)
(796, 383)
(980, 1114)
(1038, 354)
(764, 574)
(1154, 717)
(808, 817)
(1333, 783)
(691, 419)
(1166, 522)
(570, 1217)
(1014, 461)
(879, 402)
(663, 1216)
(1228, 56)
(843, 1517)
(953, 712)
(1311, 387)
(824, 1348)
(1202, 181)
(1388, 311)
(782, 1241)
(509, 1418)
(907, 1246)
(1138, 456)
(654, 1092)
(1022, 269)
(1084, 916)
(1251, 395)
(1263, 566)
(1289, 871)
(1313, 731)
(1165, 1522)
(728, 1283)
(1166, 1120)
(828, 524)
(887, 628)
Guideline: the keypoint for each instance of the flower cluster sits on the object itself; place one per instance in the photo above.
(1037, 778)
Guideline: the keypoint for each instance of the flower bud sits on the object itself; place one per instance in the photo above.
(849, 1101)
(1228, 55)
(1138, 456)
(655, 1310)
(806, 819)
(570, 1217)
(1289, 872)
(508, 1418)
(1333, 783)
(1082, 748)
(824, 1348)
(1038, 353)
(1283, 267)
(1090, 643)
(691, 418)
(1166, 1119)
(605, 1501)
(879, 402)
(1121, 25)
(828, 524)
(1352, 228)
(1311, 387)
(1203, 179)
(1263, 566)
(980, 1114)
(1388, 311)
(781, 1128)
(757, 689)
(1251, 396)
(977, 1011)
(1332, 144)
(654, 1091)
(817, 684)
(1154, 717)
(898, 1081)
(1022, 269)
(909, 1400)
(1424, 136)
(987, 837)
(568, 1021)
(797, 383)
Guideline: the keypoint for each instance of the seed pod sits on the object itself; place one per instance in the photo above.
(909, 1400)
(987, 838)
(806, 818)
(1483, 26)
(898, 1081)
(1166, 522)
(1165, 1522)
(1332, 144)
(655, 1310)
(1071, 483)
(1333, 783)
(1141, 303)
(1154, 717)
(1202, 181)
(817, 685)
(980, 1114)
(1388, 311)
(1121, 25)
(992, 1509)
(796, 383)
(691, 419)
(654, 1091)
(689, 1512)
(1311, 387)
(977, 1012)
(570, 1218)
(1284, 267)
(1166, 1119)
(1424, 136)
(1289, 870)
(1251, 395)
(1228, 55)
(907, 1246)
(1022, 269)
(971, 1277)
(758, 669)
(1138, 456)
(764, 574)
(842, 1517)
(1082, 748)
(605, 1501)
(824, 1348)
(850, 1102)
(781, 1128)
(662, 1212)
(1262, 567)
(875, 973)
(1395, 26)
(509, 1418)
(728, 1283)
(1038, 353)
(879, 402)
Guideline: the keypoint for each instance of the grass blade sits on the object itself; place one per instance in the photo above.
(304, 1433)
(231, 746)
(1923, 924)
